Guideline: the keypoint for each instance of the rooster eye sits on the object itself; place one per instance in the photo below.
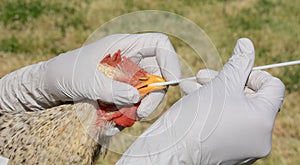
(144, 78)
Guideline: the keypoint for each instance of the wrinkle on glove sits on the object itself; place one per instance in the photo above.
(23, 90)
(218, 123)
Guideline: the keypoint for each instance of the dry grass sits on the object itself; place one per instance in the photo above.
(36, 30)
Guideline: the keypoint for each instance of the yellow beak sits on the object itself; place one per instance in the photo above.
(144, 89)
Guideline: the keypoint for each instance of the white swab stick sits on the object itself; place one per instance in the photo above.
(255, 68)
(171, 82)
(277, 65)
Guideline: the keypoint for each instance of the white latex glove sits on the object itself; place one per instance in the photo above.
(218, 123)
(73, 76)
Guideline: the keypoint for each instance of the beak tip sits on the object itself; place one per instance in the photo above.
(144, 89)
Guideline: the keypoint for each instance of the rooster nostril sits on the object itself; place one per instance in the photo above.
(143, 78)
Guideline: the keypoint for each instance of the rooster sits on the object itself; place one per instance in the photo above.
(73, 133)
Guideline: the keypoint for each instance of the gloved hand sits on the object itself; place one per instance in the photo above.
(217, 123)
(73, 76)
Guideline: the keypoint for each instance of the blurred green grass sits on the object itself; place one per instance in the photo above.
(36, 30)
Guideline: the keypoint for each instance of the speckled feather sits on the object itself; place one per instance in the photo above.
(60, 135)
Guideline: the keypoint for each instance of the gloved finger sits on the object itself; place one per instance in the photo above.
(111, 91)
(158, 45)
(269, 90)
(236, 71)
(168, 61)
(149, 103)
(205, 76)
(151, 66)
(189, 86)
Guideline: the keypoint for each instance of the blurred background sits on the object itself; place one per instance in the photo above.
(36, 30)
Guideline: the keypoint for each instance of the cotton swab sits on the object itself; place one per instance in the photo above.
(255, 68)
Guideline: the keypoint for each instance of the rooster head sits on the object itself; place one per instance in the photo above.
(123, 69)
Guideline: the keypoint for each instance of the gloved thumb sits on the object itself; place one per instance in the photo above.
(236, 71)
(111, 91)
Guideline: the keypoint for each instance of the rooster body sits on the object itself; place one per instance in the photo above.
(65, 133)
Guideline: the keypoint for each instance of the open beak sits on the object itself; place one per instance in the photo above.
(144, 89)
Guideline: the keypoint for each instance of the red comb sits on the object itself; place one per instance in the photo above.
(112, 60)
